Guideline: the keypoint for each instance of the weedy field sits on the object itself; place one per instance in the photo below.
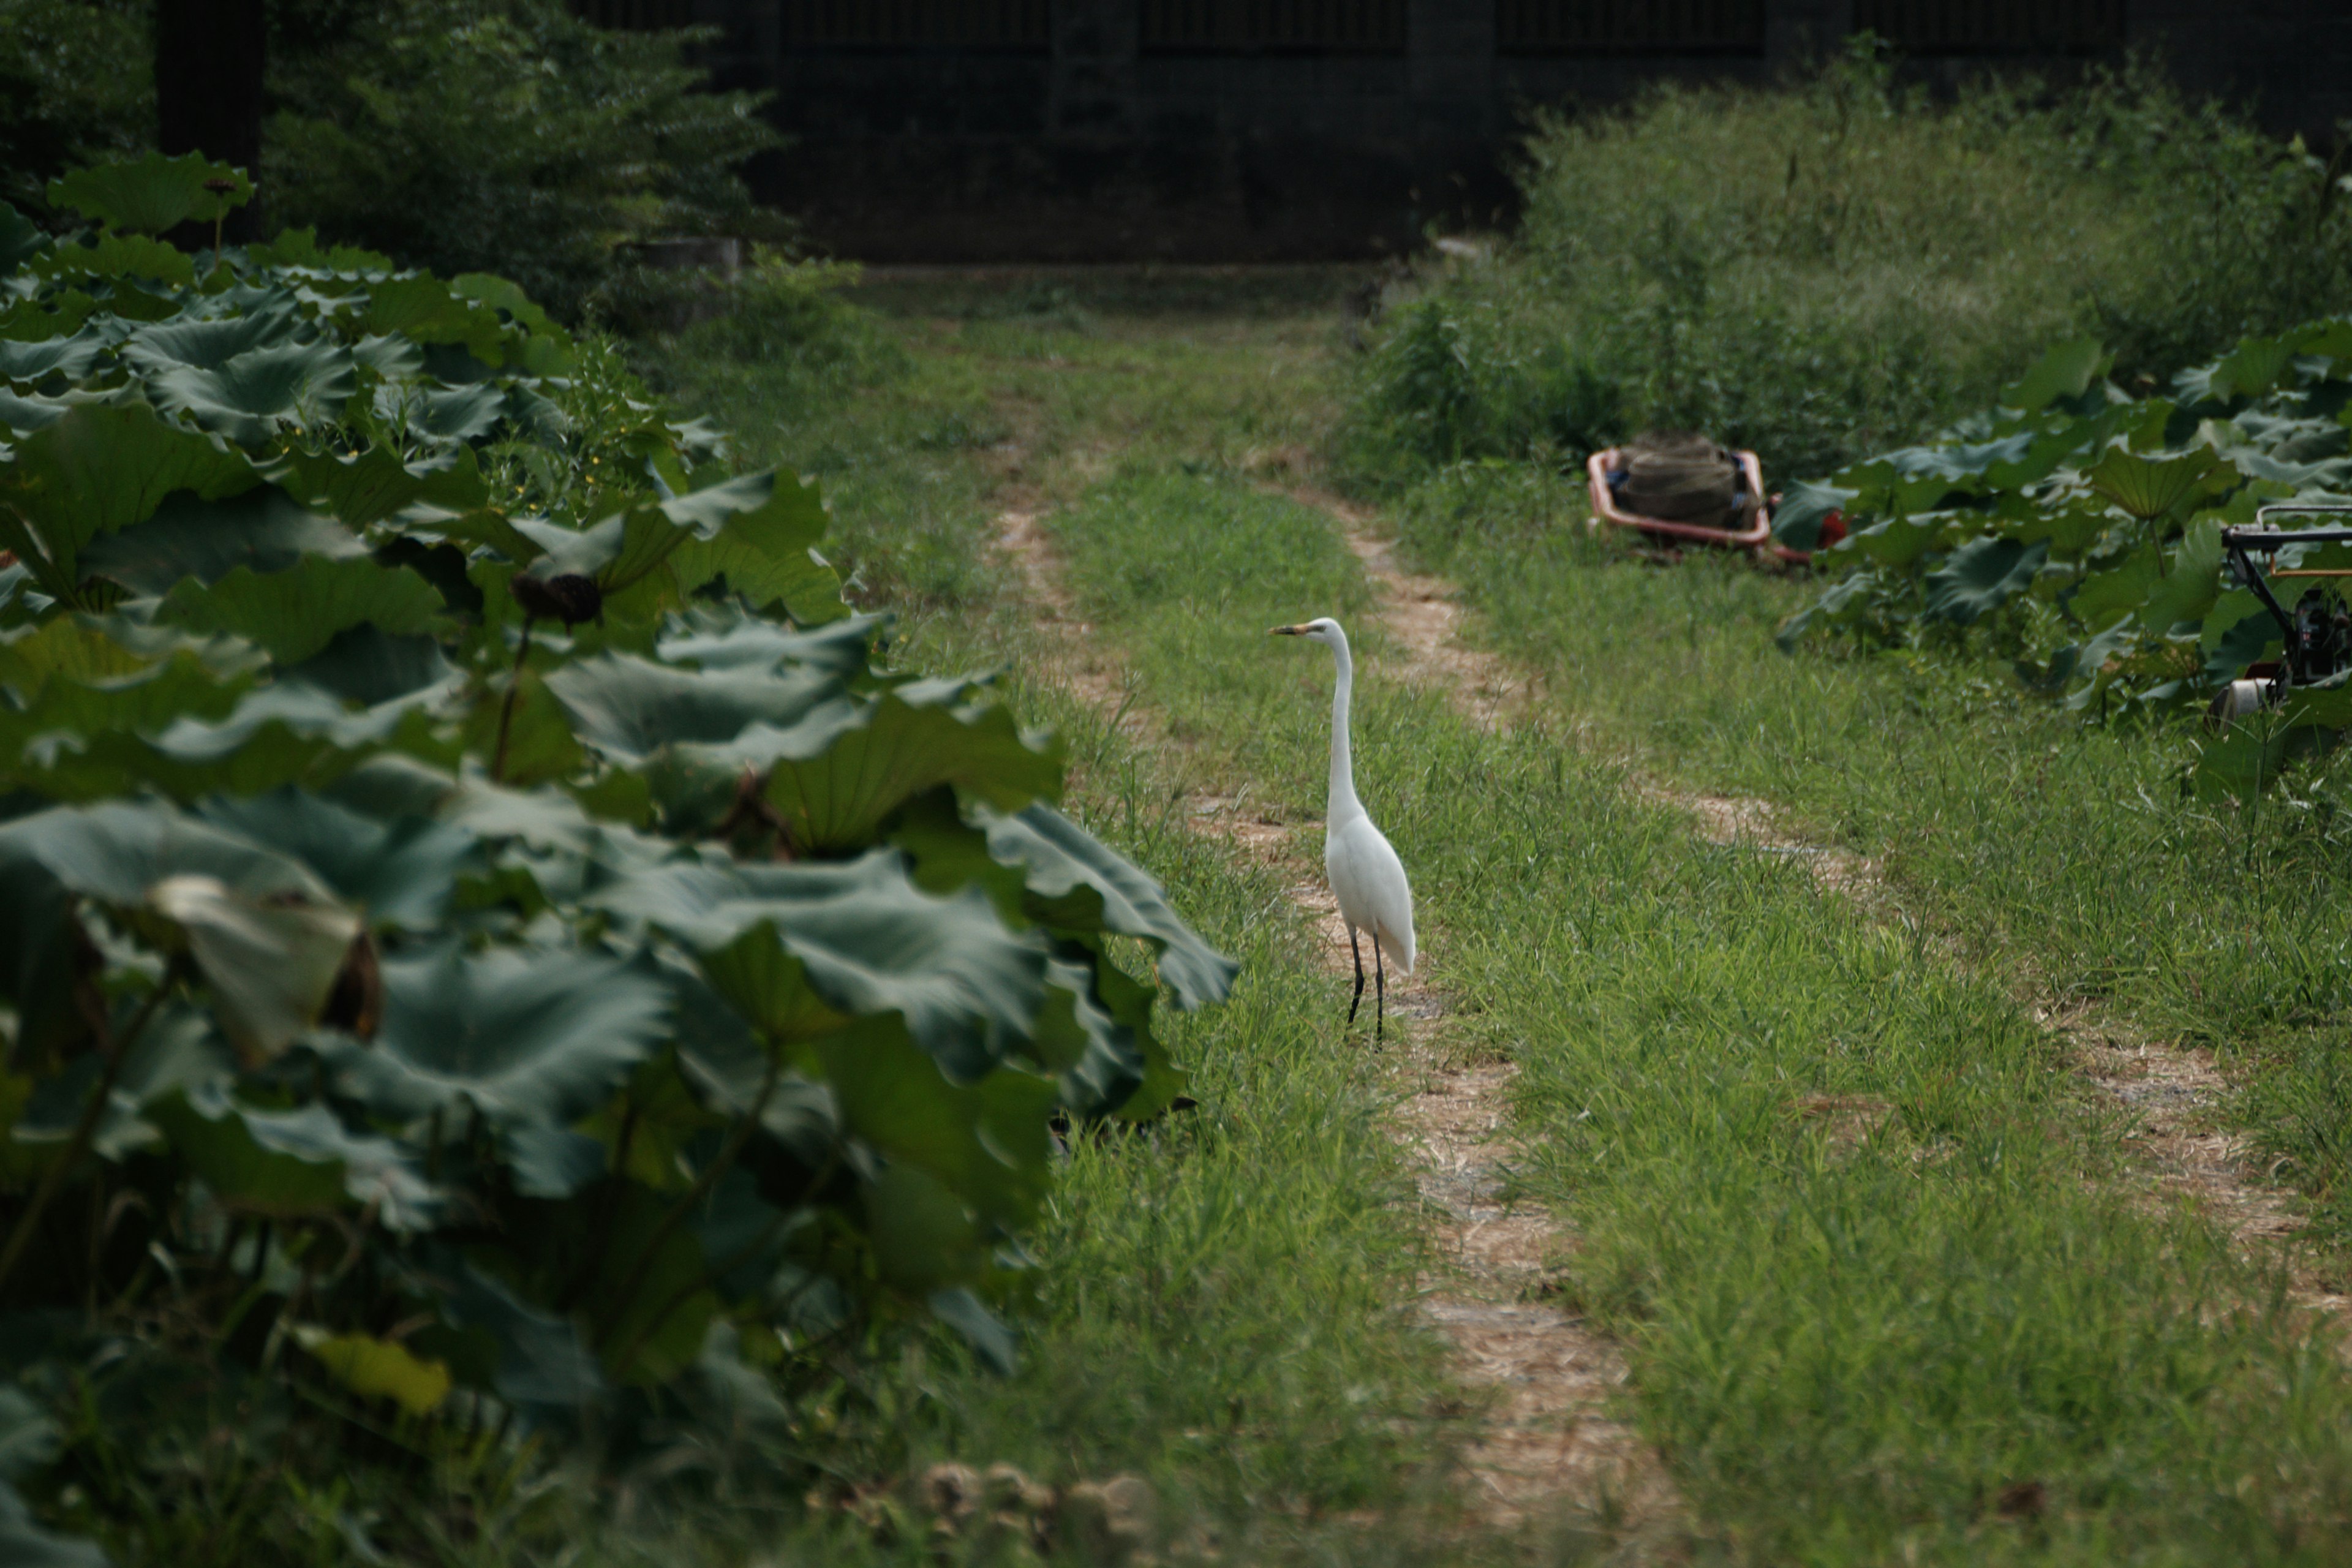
(1846, 1111)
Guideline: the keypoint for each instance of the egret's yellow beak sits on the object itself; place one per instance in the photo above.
(1287, 632)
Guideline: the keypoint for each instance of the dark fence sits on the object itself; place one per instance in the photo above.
(1994, 26)
(1630, 27)
(1272, 27)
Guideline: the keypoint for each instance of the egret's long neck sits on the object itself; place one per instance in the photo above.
(1344, 807)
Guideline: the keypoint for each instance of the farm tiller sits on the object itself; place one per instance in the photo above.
(2315, 636)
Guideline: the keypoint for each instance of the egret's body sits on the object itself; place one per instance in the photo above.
(1367, 878)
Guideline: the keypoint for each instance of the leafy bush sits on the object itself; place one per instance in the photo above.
(2084, 527)
(75, 86)
(1830, 269)
(488, 949)
(516, 137)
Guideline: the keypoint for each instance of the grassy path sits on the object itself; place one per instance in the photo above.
(1888, 1286)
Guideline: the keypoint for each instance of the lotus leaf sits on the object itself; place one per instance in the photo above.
(523, 1038)
(1980, 576)
(149, 195)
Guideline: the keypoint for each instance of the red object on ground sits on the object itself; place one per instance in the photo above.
(1605, 510)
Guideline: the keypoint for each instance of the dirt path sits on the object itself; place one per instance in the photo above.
(1549, 1447)
(2173, 1098)
(1550, 1444)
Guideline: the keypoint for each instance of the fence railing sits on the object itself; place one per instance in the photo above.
(1272, 27)
(1629, 27)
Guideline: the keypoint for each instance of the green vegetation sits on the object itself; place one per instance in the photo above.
(1829, 270)
(492, 960)
(512, 137)
(2073, 512)
(1891, 1284)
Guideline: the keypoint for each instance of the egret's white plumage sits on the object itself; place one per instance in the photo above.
(1367, 878)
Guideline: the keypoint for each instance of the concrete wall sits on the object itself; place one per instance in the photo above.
(1095, 150)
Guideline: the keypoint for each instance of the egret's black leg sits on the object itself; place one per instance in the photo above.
(1381, 990)
(1357, 1000)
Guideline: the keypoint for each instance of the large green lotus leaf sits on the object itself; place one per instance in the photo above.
(1129, 1001)
(206, 344)
(987, 1143)
(2193, 583)
(25, 1545)
(285, 732)
(2091, 659)
(2069, 527)
(260, 529)
(1980, 576)
(914, 739)
(139, 279)
(378, 1369)
(509, 298)
(726, 1064)
(2148, 487)
(550, 1163)
(97, 470)
(1796, 521)
(117, 853)
(714, 639)
(368, 666)
(2255, 365)
(1900, 540)
(267, 935)
(533, 1360)
(287, 1164)
(527, 1039)
(70, 649)
(69, 357)
(21, 239)
(427, 311)
(1093, 1057)
(2065, 371)
(629, 709)
(22, 415)
(758, 532)
(296, 612)
(249, 397)
(1078, 882)
(299, 247)
(400, 872)
(863, 938)
(271, 963)
(963, 1311)
(152, 194)
(768, 986)
(456, 413)
(2105, 595)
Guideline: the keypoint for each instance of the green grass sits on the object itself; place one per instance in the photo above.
(1848, 1353)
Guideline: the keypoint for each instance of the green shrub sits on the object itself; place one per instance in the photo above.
(1832, 268)
(512, 137)
(75, 86)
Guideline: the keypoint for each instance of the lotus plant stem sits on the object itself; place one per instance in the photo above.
(725, 1266)
(609, 1206)
(506, 709)
(720, 1165)
(53, 1178)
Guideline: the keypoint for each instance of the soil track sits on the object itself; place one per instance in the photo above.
(2173, 1099)
(1549, 1447)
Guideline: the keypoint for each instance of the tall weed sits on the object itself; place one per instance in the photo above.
(1837, 265)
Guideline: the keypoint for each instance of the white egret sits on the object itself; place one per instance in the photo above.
(1367, 878)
